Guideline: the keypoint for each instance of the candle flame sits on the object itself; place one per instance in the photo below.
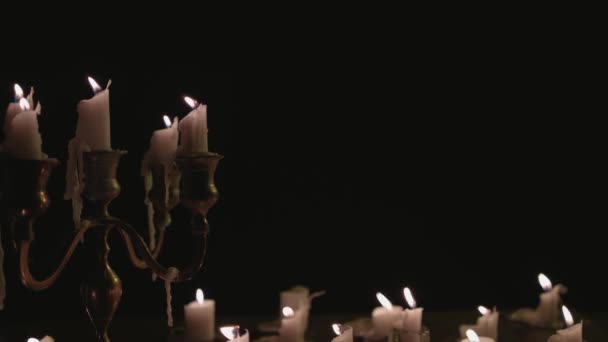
(191, 102)
(230, 332)
(472, 336)
(288, 312)
(544, 281)
(24, 104)
(337, 328)
(384, 301)
(94, 85)
(567, 316)
(167, 121)
(483, 310)
(409, 298)
(31, 339)
(18, 92)
(200, 296)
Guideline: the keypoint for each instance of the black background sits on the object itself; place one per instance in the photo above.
(461, 168)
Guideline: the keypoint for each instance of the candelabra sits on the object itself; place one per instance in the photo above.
(24, 198)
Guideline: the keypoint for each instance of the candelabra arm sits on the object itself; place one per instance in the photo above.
(25, 274)
(142, 258)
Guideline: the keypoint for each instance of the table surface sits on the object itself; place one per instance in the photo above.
(443, 327)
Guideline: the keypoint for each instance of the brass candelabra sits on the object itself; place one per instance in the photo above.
(24, 199)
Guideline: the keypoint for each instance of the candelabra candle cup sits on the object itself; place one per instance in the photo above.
(401, 335)
(197, 186)
(100, 183)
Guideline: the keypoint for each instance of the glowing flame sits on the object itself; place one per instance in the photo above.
(545, 283)
(567, 316)
(24, 104)
(384, 301)
(200, 297)
(288, 312)
(231, 332)
(483, 310)
(31, 339)
(167, 121)
(409, 298)
(337, 328)
(472, 336)
(18, 92)
(190, 101)
(94, 85)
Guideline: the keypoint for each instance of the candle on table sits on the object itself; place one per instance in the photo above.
(547, 312)
(199, 317)
(292, 329)
(92, 134)
(23, 140)
(299, 299)
(487, 324)
(383, 317)
(44, 339)
(233, 334)
(194, 128)
(343, 334)
(472, 337)
(412, 318)
(572, 333)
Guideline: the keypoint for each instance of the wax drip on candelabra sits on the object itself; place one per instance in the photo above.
(171, 276)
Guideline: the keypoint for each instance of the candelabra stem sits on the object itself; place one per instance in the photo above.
(102, 289)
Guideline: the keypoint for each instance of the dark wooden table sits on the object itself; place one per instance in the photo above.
(443, 327)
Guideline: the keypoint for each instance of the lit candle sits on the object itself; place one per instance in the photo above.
(299, 299)
(199, 317)
(412, 319)
(547, 312)
(23, 140)
(383, 317)
(194, 128)
(163, 145)
(233, 334)
(343, 334)
(44, 339)
(92, 134)
(292, 329)
(487, 324)
(472, 337)
(572, 333)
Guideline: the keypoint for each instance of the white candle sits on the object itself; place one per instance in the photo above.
(194, 128)
(199, 317)
(412, 318)
(23, 140)
(547, 312)
(92, 134)
(295, 297)
(472, 337)
(232, 333)
(487, 324)
(383, 317)
(572, 333)
(292, 325)
(44, 339)
(344, 334)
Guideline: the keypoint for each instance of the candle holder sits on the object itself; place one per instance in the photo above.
(24, 198)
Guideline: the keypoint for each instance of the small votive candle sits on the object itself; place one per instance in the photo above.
(233, 334)
(199, 317)
(344, 333)
(472, 337)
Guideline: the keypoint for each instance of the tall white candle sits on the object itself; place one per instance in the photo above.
(232, 333)
(199, 316)
(344, 333)
(92, 134)
(487, 324)
(572, 333)
(194, 129)
(23, 140)
(472, 337)
(292, 325)
(383, 317)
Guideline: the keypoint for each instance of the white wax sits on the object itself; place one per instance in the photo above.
(23, 139)
(194, 131)
(295, 297)
(47, 339)
(200, 320)
(345, 336)
(481, 339)
(412, 319)
(383, 319)
(487, 325)
(549, 306)
(293, 328)
(571, 334)
(163, 144)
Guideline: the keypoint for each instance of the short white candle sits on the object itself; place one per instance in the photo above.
(199, 317)
(383, 317)
(572, 333)
(292, 325)
(44, 339)
(232, 334)
(194, 129)
(472, 337)
(344, 334)
(487, 324)
(299, 299)
(23, 140)
(412, 318)
(546, 315)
